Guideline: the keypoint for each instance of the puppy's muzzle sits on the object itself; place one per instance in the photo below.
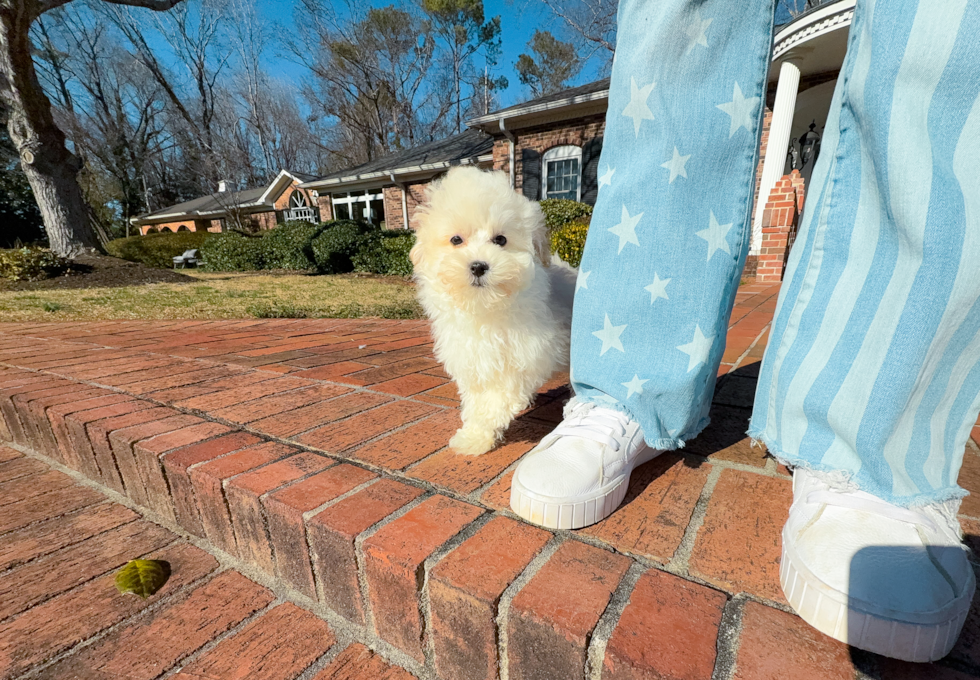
(478, 269)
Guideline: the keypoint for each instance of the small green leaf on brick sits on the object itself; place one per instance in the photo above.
(142, 577)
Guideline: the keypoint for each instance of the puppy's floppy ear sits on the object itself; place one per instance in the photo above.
(539, 234)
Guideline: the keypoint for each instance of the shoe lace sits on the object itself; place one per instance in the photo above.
(600, 425)
(865, 502)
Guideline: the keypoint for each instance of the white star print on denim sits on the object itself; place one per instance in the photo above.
(657, 289)
(610, 336)
(696, 31)
(582, 282)
(716, 236)
(676, 165)
(605, 179)
(634, 386)
(697, 349)
(741, 109)
(626, 229)
(637, 109)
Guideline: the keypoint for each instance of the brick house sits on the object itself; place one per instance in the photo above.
(388, 190)
(282, 200)
(550, 146)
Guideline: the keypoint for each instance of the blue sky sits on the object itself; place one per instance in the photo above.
(518, 18)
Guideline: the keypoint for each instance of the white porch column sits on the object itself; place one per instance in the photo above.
(778, 145)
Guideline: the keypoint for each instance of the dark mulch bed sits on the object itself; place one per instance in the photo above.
(101, 272)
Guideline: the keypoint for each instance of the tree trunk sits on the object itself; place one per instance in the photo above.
(51, 168)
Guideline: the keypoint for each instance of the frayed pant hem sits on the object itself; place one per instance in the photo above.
(844, 480)
(661, 444)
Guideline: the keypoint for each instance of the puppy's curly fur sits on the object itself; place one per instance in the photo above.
(500, 307)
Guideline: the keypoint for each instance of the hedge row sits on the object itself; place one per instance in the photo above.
(329, 248)
(157, 250)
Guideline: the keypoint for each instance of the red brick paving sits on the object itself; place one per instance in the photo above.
(160, 417)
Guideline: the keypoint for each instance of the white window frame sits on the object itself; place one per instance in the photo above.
(561, 153)
(348, 200)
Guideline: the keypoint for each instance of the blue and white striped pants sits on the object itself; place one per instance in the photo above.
(873, 362)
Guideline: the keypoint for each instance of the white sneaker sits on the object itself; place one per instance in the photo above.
(579, 473)
(890, 580)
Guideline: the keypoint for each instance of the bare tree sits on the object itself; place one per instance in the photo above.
(463, 30)
(51, 168)
(372, 76)
(591, 24)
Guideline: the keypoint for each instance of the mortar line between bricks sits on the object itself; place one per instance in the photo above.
(325, 659)
(182, 663)
(729, 638)
(32, 560)
(364, 634)
(679, 561)
(744, 355)
(175, 597)
(359, 554)
(43, 519)
(355, 389)
(425, 602)
(342, 497)
(502, 618)
(599, 638)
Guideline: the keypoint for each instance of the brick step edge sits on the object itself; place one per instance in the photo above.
(452, 590)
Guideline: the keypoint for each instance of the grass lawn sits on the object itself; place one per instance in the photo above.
(221, 296)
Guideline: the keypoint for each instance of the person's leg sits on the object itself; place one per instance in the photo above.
(667, 243)
(870, 382)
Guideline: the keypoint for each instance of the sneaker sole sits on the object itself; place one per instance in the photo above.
(574, 512)
(826, 609)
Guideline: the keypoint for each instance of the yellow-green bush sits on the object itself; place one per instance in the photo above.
(568, 241)
(31, 264)
(561, 211)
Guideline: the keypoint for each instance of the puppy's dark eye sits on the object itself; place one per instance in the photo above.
(456, 240)
(500, 240)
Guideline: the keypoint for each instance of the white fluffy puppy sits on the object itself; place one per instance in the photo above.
(500, 308)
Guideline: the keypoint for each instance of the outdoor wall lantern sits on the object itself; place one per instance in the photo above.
(809, 148)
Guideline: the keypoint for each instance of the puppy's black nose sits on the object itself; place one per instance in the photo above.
(479, 268)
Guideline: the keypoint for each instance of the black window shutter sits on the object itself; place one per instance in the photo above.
(531, 171)
(590, 170)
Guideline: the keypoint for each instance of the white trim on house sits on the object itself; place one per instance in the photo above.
(538, 108)
(264, 198)
(824, 19)
(366, 198)
(557, 154)
(385, 174)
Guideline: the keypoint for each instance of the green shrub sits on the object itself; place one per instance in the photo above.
(31, 264)
(157, 250)
(568, 241)
(561, 211)
(233, 252)
(336, 246)
(289, 245)
(386, 253)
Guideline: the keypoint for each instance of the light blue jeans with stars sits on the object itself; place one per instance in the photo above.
(873, 364)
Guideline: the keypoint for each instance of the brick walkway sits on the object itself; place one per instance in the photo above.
(303, 465)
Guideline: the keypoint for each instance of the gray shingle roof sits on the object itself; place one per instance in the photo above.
(210, 203)
(588, 88)
(467, 144)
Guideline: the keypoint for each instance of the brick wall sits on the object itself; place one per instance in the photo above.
(326, 207)
(393, 204)
(780, 222)
(543, 137)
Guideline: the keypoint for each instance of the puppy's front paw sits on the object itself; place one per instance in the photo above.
(472, 441)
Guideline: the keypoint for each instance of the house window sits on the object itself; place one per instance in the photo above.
(562, 173)
(367, 205)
